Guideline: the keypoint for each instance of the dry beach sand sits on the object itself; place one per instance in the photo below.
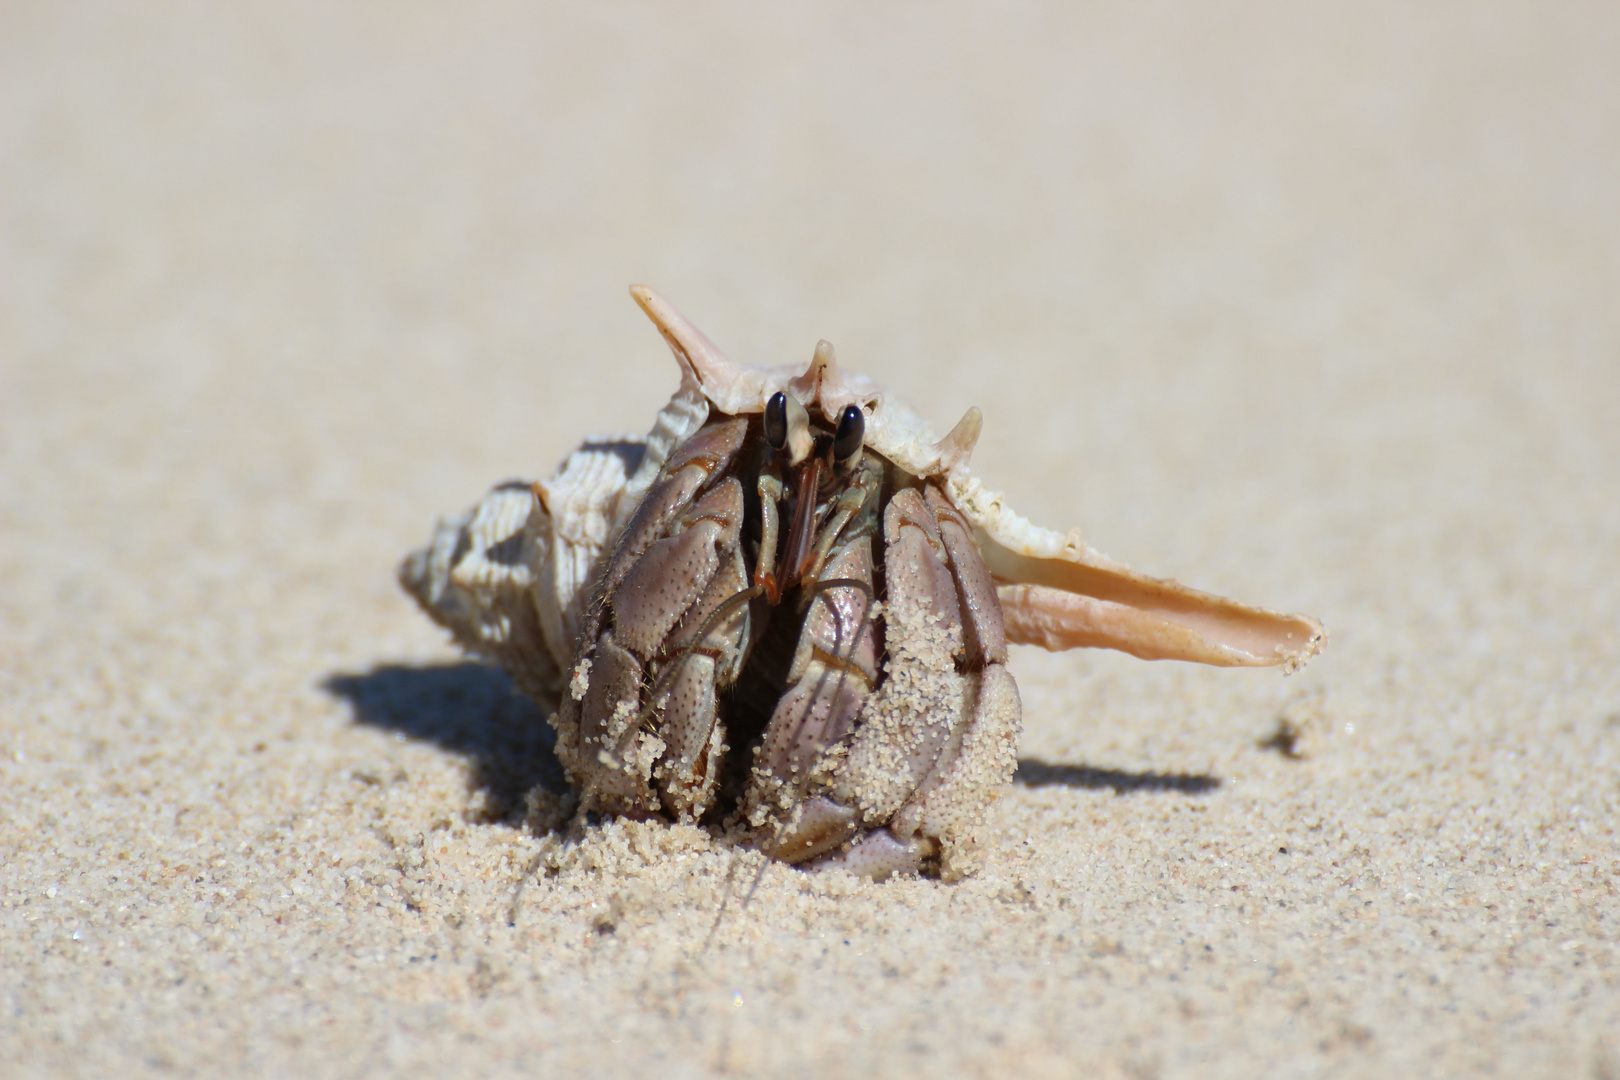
(1314, 310)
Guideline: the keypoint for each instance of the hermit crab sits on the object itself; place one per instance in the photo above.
(785, 613)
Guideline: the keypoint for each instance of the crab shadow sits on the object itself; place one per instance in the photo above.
(468, 709)
(1035, 773)
(475, 711)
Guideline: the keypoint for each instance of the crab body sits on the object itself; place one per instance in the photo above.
(786, 612)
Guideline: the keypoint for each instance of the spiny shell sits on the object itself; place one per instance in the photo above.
(508, 576)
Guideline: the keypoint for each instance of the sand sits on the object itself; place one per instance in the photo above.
(1314, 308)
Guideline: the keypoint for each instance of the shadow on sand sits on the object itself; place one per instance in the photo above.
(469, 709)
(1033, 773)
(474, 710)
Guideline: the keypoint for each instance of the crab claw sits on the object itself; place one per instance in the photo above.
(1059, 593)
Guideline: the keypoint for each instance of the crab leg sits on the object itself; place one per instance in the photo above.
(703, 652)
(847, 505)
(834, 670)
(680, 540)
(941, 736)
(922, 700)
(770, 495)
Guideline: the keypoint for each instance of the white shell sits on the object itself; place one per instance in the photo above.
(509, 576)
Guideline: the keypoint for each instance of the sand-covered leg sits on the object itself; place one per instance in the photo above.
(920, 703)
(834, 669)
(949, 806)
(681, 535)
(704, 652)
(980, 761)
(945, 776)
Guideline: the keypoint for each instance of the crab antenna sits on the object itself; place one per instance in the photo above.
(701, 360)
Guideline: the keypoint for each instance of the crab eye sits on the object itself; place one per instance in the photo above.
(776, 421)
(851, 430)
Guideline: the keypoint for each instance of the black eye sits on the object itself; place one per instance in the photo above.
(776, 428)
(851, 429)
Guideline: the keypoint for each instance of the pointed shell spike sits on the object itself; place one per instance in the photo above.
(821, 375)
(701, 360)
(957, 446)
